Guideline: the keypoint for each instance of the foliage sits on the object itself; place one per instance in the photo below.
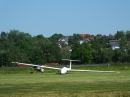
(100, 44)
(74, 38)
(128, 35)
(119, 56)
(55, 37)
(82, 52)
(22, 47)
(65, 54)
(101, 56)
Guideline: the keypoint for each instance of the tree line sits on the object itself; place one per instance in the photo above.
(22, 47)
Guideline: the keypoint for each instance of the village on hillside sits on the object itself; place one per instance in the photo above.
(115, 44)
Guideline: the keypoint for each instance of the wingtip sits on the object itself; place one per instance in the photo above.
(14, 62)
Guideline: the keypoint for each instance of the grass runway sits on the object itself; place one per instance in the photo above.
(73, 84)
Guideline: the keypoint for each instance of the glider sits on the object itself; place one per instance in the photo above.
(36, 67)
(63, 70)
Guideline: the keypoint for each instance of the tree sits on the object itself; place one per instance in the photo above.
(118, 55)
(65, 54)
(70, 40)
(82, 52)
(96, 56)
(123, 43)
(5, 59)
(101, 56)
(77, 37)
(55, 37)
(128, 35)
(105, 55)
(119, 35)
(3, 36)
(100, 44)
(37, 56)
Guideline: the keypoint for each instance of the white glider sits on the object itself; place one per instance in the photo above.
(63, 70)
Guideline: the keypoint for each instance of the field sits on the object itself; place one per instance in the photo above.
(73, 84)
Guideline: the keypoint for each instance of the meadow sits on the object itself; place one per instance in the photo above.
(73, 84)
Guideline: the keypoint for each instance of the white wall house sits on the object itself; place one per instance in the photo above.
(115, 44)
(63, 39)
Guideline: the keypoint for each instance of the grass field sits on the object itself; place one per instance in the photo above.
(73, 84)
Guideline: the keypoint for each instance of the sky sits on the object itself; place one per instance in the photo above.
(66, 17)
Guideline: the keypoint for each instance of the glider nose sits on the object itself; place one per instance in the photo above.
(64, 70)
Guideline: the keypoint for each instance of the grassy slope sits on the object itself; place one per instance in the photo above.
(69, 85)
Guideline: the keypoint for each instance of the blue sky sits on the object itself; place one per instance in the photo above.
(66, 17)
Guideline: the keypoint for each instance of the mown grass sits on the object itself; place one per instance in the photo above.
(73, 84)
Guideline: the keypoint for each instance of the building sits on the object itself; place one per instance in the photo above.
(63, 40)
(115, 44)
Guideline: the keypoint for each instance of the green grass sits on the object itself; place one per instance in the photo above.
(73, 84)
(25, 70)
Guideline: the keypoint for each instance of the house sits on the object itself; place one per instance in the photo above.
(62, 40)
(84, 40)
(115, 44)
(91, 37)
(81, 41)
(85, 35)
(98, 37)
(111, 36)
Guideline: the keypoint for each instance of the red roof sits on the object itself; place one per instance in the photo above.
(83, 35)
